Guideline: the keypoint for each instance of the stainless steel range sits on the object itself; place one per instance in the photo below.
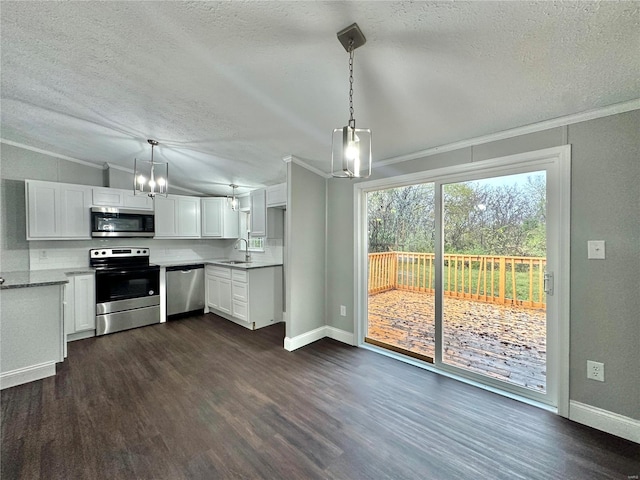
(127, 288)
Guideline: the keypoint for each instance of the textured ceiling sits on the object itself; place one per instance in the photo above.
(231, 88)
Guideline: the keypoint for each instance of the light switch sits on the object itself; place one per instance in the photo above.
(595, 249)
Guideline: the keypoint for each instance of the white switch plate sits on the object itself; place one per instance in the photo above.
(343, 310)
(595, 249)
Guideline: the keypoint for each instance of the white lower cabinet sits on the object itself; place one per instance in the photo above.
(79, 307)
(240, 295)
(250, 297)
(218, 288)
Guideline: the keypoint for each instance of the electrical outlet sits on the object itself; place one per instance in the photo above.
(43, 255)
(595, 370)
(343, 310)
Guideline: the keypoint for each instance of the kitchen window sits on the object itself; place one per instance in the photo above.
(256, 244)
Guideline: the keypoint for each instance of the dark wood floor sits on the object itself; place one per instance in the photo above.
(202, 398)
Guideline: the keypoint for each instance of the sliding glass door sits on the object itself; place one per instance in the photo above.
(494, 320)
(401, 270)
(459, 270)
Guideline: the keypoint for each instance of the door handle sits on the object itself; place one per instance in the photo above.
(548, 283)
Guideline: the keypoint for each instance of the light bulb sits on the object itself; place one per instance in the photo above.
(152, 185)
(141, 180)
(161, 182)
(352, 151)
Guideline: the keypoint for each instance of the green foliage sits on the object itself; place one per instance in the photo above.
(480, 217)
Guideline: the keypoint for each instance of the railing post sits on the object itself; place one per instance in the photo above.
(503, 279)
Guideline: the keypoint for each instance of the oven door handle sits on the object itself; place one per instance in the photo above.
(127, 271)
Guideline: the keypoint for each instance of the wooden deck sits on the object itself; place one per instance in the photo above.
(504, 342)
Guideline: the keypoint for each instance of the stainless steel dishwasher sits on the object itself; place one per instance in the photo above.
(185, 289)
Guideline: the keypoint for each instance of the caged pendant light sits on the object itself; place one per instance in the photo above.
(233, 200)
(351, 146)
(151, 182)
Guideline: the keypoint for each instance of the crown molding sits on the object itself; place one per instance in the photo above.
(514, 132)
(303, 164)
(108, 165)
(51, 154)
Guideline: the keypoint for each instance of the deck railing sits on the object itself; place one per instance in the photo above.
(484, 278)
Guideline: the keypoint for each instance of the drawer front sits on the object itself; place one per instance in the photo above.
(221, 272)
(239, 275)
(239, 291)
(240, 310)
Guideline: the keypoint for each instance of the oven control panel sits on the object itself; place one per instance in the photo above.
(119, 252)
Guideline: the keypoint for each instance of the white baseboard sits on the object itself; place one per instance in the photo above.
(293, 343)
(27, 374)
(605, 420)
(339, 335)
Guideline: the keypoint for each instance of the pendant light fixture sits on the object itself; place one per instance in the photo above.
(351, 146)
(150, 181)
(233, 200)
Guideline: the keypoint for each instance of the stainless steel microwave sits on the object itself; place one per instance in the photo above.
(121, 222)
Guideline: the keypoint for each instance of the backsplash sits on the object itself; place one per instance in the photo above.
(52, 254)
(273, 251)
(45, 255)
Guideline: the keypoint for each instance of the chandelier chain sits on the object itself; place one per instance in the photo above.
(351, 50)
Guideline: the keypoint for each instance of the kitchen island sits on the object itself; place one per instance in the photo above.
(31, 325)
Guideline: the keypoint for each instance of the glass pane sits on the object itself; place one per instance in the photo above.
(401, 239)
(494, 317)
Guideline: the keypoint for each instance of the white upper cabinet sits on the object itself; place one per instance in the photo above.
(165, 217)
(177, 216)
(218, 219)
(116, 197)
(277, 195)
(57, 211)
(108, 197)
(137, 202)
(258, 203)
(189, 217)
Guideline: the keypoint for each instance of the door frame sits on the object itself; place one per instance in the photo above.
(558, 187)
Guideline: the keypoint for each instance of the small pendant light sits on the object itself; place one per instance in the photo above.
(351, 146)
(233, 200)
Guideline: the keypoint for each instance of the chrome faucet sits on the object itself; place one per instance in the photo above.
(247, 255)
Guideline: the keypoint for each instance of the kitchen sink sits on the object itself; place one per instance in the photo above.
(233, 262)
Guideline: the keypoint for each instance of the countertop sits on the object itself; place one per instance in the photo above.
(39, 278)
(33, 278)
(243, 266)
(216, 261)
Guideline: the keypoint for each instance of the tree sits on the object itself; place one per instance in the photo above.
(479, 217)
